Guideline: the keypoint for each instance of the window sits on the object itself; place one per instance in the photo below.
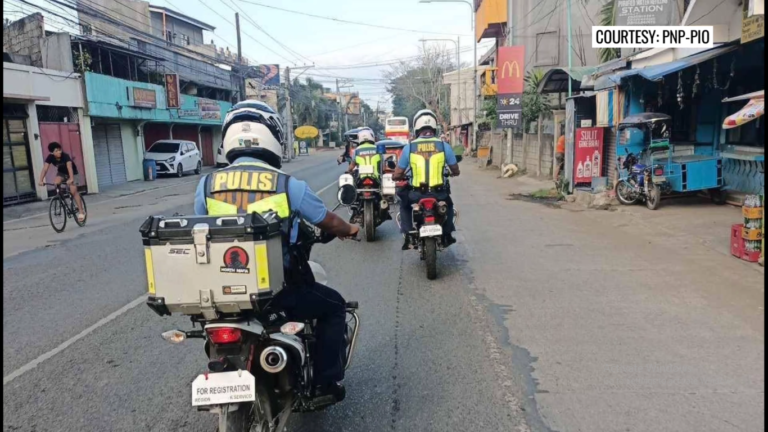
(184, 40)
(547, 49)
(164, 147)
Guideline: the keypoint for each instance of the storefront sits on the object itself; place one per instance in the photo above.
(130, 116)
(41, 106)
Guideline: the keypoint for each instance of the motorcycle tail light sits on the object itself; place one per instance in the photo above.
(428, 204)
(658, 171)
(291, 328)
(368, 182)
(429, 219)
(366, 194)
(224, 335)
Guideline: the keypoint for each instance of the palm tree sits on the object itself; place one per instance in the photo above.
(608, 18)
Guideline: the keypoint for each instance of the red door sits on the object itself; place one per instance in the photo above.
(68, 135)
(207, 146)
(154, 132)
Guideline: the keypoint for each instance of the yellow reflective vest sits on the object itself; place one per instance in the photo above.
(427, 161)
(247, 187)
(366, 155)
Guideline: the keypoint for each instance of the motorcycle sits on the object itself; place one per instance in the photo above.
(277, 354)
(639, 183)
(365, 197)
(429, 216)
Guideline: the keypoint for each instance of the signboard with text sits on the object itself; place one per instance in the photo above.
(172, 91)
(588, 154)
(511, 81)
(144, 98)
(752, 27)
(209, 109)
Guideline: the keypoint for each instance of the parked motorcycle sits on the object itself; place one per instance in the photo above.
(365, 198)
(639, 182)
(272, 352)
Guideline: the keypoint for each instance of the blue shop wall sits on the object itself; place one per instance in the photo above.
(113, 98)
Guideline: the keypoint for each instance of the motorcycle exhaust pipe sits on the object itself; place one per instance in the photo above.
(273, 359)
(442, 208)
(384, 204)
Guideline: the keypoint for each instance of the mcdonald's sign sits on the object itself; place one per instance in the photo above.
(511, 80)
(511, 64)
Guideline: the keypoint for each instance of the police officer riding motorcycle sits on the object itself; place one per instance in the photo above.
(253, 145)
(370, 207)
(426, 157)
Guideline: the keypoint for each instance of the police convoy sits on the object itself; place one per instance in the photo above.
(278, 340)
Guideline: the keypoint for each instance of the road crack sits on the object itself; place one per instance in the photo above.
(394, 409)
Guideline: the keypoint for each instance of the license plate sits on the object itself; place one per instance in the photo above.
(431, 231)
(223, 388)
(365, 169)
(659, 179)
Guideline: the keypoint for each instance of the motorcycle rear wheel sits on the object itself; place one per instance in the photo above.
(653, 200)
(368, 222)
(430, 256)
(623, 193)
(247, 418)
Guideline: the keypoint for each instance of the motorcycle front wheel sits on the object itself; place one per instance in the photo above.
(653, 200)
(430, 256)
(624, 193)
(368, 221)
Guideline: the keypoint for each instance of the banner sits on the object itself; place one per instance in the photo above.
(752, 27)
(511, 81)
(588, 155)
(270, 75)
(172, 91)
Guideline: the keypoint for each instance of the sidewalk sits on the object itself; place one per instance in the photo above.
(24, 211)
(693, 220)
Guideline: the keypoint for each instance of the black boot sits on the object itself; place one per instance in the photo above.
(448, 240)
(406, 242)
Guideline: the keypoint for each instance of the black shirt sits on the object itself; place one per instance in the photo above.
(61, 163)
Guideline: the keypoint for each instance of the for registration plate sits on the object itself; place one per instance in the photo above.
(223, 388)
(431, 231)
(659, 179)
(365, 169)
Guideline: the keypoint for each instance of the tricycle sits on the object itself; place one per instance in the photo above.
(651, 167)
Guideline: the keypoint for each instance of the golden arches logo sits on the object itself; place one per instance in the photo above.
(511, 67)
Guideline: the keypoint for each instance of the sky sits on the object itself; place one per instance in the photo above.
(290, 39)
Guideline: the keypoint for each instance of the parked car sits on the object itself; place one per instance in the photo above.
(175, 157)
(221, 160)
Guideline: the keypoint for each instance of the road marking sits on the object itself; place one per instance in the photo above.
(34, 363)
(326, 188)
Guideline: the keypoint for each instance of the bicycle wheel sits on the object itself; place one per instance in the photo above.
(57, 214)
(73, 205)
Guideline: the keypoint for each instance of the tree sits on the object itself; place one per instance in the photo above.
(534, 103)
(310, 106)
(608, 18)
(418, 84)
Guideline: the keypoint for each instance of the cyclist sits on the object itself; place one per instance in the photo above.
(66, 172)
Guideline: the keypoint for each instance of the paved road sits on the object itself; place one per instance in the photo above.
(541, 320)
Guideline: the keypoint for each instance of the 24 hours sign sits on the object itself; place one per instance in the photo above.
(588, 154)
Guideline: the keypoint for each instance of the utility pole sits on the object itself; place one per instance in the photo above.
(241, 77)
(288, 112)
(338, 95)
(570, 50)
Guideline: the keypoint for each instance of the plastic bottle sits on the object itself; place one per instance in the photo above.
(596, 164)
(587, 168)
(580, 170)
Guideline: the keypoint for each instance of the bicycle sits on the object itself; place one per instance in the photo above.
(63, 206)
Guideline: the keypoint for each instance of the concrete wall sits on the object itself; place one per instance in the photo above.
(24, 37)
(176, 26)
(134, 13)
(49, 87)
(57, 52)
(132, 153)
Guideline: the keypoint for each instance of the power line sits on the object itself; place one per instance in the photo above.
(338, 20)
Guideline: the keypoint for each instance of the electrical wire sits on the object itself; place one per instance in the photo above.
(346, 21)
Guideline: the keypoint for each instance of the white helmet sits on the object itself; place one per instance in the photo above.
(253, 132)
(365, 135)
(424, 119)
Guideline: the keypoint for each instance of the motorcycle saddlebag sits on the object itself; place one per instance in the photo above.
(204, 265)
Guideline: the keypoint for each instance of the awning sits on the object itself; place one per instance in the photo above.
(655, 73)
(754, 109)
(556, 79)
